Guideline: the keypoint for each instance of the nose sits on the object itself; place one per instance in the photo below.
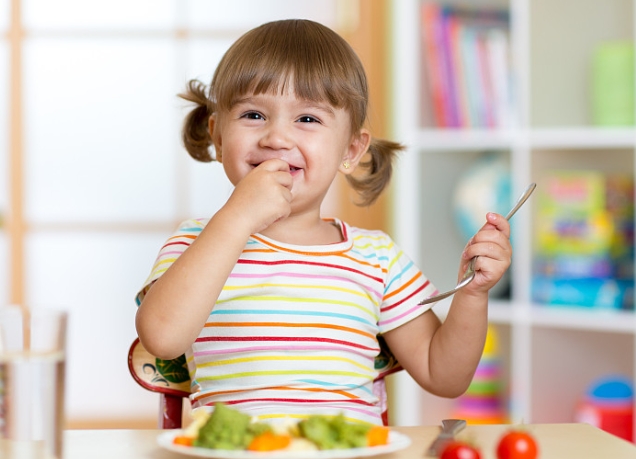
(276, 135)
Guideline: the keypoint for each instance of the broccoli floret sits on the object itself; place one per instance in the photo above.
(334, 432)
(228, 429)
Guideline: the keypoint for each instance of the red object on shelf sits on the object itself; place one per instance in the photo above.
(608, 405)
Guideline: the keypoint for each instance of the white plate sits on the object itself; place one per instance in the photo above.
(397, 441)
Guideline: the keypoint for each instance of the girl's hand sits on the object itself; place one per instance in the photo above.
(263, 196)
(492, 246)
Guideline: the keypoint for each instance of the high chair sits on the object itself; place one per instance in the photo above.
(171, 380)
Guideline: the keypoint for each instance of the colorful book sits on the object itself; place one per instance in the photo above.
(467, 68)
(499, 69)
(433, 59)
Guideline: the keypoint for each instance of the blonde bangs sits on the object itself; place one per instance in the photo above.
(314, 60)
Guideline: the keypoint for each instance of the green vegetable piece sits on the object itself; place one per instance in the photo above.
(334, 432)
(318, 430)
(229, 429)
(255, 429)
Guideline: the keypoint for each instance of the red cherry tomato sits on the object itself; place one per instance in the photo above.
(459, 450)
(517, 444)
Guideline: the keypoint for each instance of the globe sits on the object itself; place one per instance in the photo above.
(484, 187)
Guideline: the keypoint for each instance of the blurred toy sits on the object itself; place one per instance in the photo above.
(584, 252)
(481, 404)
(608, 405)
(584, 292)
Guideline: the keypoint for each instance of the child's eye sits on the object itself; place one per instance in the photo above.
(252, 116)
(308, 119)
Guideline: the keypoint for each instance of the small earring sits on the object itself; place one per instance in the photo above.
(346, 164)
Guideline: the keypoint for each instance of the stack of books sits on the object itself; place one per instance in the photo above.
(467, 66)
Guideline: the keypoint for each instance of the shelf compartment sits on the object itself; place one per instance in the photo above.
(440, 173)
(565, 362)
(583, 243)
(466, 66)
(563, 38)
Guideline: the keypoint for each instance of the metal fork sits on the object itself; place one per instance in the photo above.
(469, 274)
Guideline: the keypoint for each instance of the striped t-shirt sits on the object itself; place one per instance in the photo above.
(295, 328)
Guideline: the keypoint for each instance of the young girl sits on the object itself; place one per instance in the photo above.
(281, 312)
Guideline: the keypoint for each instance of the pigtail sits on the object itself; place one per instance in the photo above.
(378, 170)
(195, 135)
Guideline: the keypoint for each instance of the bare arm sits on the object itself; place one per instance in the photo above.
(176, 307)
(443, 357)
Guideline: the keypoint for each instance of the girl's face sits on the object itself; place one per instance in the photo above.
(314, 138)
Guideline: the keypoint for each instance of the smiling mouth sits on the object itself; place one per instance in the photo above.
(291, 168)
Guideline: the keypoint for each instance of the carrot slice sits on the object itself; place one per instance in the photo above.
(269, 441)
(183, 440)
(378, 435)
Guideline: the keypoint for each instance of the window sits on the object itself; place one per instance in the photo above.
(95, 173)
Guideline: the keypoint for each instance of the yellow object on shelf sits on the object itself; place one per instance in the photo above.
(481, 404)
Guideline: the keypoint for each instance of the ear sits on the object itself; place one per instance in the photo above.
(216, 138)
(357, 148)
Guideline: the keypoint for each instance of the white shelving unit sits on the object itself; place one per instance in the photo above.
(549, 355)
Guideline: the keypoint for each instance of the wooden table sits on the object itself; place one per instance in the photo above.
(556, 441)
